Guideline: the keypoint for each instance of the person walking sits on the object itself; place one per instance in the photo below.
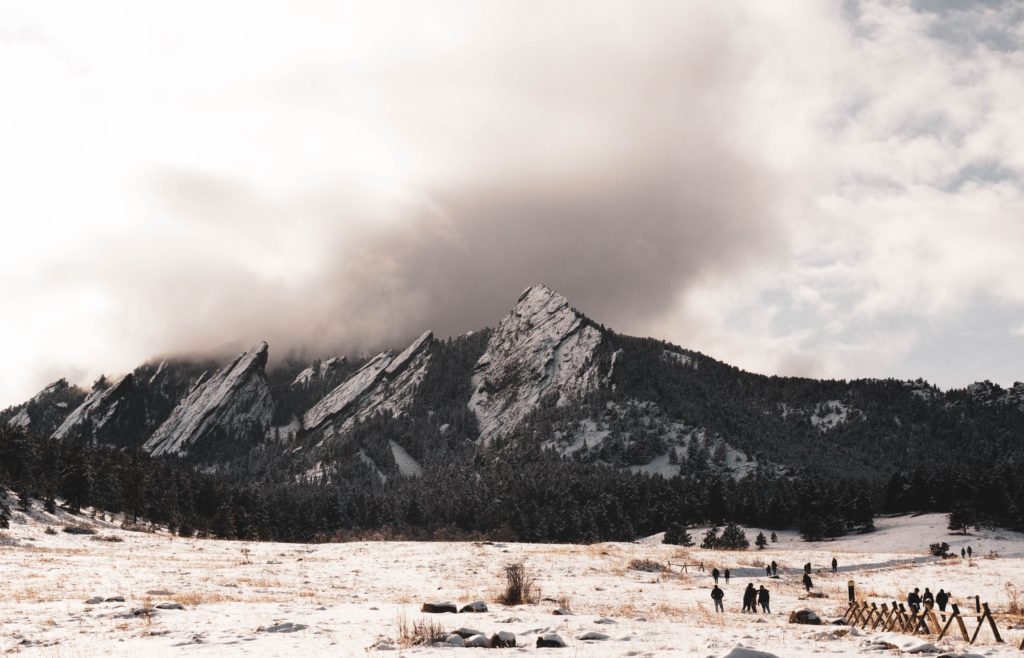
(970, 551)
(914, 600)
(762, 598)
(715, 574)
(767, 571)
(807, 582)
(928, 598)
(941, 599)
(963, 553)
(717, 595)
(750, 598)
(726, 576)
(835, 566)
(807, 568)
(775, 568)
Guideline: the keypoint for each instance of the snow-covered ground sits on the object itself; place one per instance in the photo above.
(348, 599)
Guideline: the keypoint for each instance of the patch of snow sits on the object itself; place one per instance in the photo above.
(828, 415)
(338, 400)
(407, 466)
(681, 359)
(20, 419)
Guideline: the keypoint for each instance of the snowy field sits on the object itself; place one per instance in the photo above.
(265, 599)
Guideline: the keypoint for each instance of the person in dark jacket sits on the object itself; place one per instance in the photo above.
(750, 598)
(807, 582)
(762, 598)
(715, 574)
(963, 553)
(970, 551)
(775, 568)
(914, 600)
(927, 598)
(726, 576)
(807, 568)
(767, 571)
(835, 565)
(717, 595)
(941, 599)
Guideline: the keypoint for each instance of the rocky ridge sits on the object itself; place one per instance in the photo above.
(543, 347)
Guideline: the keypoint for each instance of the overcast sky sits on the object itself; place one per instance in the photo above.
(794, 188)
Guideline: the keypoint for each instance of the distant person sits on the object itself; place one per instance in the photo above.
(715, 574)
(970, 551)
(726, 574)
(941, 599)
(762, 598)
(914, 600)
(775, 568)
(835, 566)
(807, 568)
(717, 595)
(928, 598)
(767, 571)
(807, 582)
(750, 598)
(702, 566)
(963, 553)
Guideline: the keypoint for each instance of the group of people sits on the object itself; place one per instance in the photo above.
(915, 600)
(751, 598)
(761, 596)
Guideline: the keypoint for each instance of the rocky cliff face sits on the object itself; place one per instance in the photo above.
(543, 347)
(386, 384)
(223, 415)
(47, 410)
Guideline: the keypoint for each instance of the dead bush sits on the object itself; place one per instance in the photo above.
(420, 632)
(520, 586)
(646, 564)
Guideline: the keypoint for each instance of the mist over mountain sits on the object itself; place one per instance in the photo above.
(548, 386)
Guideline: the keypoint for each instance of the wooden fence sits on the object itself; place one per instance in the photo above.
(896, 618)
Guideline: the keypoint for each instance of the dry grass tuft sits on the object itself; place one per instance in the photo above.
(419, 632)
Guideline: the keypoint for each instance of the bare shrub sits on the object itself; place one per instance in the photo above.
(419, 632)
(1013, 603)
(50, 531)
(520, 586)
(646, 564)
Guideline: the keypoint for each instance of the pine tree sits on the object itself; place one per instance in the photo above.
(761, 541)
(677, 534)
(711, 539)
(962, 517)
(733, 538)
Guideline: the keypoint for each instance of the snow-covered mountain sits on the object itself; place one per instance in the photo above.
(223, 415)
(547, 379)
(542, 348)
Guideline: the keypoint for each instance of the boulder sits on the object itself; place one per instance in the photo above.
(561, 611)
(455, 640)
(114, 599)
(286, 627)
(143, 612)
(740, 651)
(804, 616)
(503, 640)
(466, 633)
(593, 635)
(475, 606)
(439, 607)
(94, 600)
(170, 606)
(479, 641)
(550, 641)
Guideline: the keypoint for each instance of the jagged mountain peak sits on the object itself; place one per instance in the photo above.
(234, 403)
(380, 370)
(542, 347)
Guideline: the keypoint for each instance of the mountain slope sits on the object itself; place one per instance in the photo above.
(222, 416)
